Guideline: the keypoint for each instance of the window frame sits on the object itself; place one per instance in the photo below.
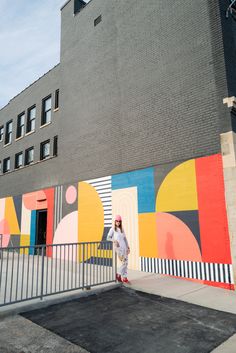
(8, 134)
(30, 120)
(22, 126)
(1, 134)
(5, 160)
(27, 162)
(56, 104)
(42, 144)
(45, 112)
(16, 156)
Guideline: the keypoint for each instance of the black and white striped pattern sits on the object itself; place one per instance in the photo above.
(58, 206)
(103, 188)
(222, 273)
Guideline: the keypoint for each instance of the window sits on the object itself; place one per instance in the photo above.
(6, 165)
(20, 125)
(46, 110)
(29, 156)
(55, 146)
(8, 135)
(18, 160)
(97, 20)
(45, 150)
(57, 99)
(31, 116)
(1, 133)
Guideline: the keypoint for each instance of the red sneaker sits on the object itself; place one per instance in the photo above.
(118, 278)
(125, 280)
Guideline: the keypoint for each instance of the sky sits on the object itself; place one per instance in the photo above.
(29, 43)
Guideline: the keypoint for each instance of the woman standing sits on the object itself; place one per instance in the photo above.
(117, 236)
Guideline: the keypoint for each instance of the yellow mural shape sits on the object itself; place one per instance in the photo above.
(90, 216)
(24, 241)
(178, 191)
(11, 217)
(147, 235)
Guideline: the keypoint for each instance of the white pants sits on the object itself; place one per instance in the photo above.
(124, 267)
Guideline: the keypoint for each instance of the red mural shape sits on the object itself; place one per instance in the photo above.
(213, 223)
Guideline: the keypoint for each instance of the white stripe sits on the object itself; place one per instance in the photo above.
(101, 183)
(171, 267)
(61, 202)
(153, 265)
(216, 272)
(194, 271)
(103, 187)
(182, 268)
(203, 272)
(190, 269)
(231, 274)
(186, 268)
(211, 272)
(226, 274)
(106, 200)
(98, 179)
(207, 271)
(159, 265)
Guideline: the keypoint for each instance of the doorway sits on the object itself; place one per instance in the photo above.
(41, 227)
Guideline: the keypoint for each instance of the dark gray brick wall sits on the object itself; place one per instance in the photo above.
(144, 87)
(40, 174)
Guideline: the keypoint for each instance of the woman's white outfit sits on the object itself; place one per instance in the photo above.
(121, 249)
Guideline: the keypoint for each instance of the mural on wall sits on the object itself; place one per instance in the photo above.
(174, 216)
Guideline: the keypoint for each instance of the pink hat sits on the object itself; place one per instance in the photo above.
(118, 218)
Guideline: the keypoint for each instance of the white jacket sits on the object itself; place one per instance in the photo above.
(120, 238)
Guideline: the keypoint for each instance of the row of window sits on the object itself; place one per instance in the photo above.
(45, 148)
(26, 121)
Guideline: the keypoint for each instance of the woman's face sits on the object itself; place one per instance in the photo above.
(118, 223)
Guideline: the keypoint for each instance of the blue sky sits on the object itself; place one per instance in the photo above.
(29, 42)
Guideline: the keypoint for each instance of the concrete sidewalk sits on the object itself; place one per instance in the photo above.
(190, 292)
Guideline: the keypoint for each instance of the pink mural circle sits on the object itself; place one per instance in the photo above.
(71, 194)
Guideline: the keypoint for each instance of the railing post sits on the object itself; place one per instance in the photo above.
(83, 259)
(42, 273)
(114, 256)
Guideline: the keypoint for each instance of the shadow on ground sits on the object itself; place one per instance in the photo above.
(123, 320)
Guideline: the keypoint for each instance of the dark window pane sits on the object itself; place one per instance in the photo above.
(6, 165)
(19, 160)
(31, 119)
(29, 156)
(8, 135)
(57, 99)
(46, 110)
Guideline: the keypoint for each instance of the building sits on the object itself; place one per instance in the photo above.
(138, 118)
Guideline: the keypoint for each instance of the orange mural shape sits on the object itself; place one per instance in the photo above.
(35, 200)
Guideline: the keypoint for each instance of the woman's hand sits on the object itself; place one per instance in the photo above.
(116, 244)
(128, 251)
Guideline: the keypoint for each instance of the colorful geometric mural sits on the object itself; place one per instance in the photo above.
(174, 217)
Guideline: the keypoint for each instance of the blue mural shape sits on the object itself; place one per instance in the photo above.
(32, 231)
(144, 181)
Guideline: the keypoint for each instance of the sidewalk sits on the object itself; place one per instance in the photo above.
(187, 291)
(190, 292)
